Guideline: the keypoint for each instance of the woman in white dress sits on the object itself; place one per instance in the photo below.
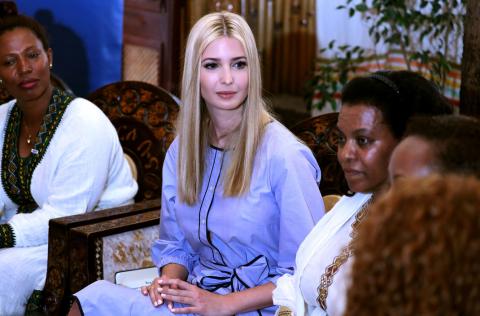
(374, 114)
(60, 156)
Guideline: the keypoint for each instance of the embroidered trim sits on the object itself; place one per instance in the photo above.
(35, 303)
(17, 171)
(327, 277)
(7, 236)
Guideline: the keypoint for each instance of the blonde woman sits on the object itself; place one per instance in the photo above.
(239, 194)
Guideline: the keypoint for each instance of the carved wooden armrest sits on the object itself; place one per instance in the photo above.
(76, 248)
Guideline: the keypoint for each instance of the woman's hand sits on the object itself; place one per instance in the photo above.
(153, 290)
(169, 271)
(200, 301)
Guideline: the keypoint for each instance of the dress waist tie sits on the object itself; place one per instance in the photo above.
(237, 279)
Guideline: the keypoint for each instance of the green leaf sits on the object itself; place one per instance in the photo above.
(362, 7)
(331, 44)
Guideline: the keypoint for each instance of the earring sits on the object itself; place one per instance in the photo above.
(1, 81)
(51, 66)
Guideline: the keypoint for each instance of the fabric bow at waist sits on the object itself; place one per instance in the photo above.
(235, 279)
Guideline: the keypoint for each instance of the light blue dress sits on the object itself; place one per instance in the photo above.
(229, 244)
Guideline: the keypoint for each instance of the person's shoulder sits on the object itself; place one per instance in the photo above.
(352, 201)
(6, 107)
(171, 154)
(84, 117)
(173, 148)
(283, 150)
(84, 107)
(277, 132)
(5, 110)
(85, 112)
(280, 139)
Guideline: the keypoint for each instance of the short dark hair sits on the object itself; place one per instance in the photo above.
(398, 95)
(21, 21)
(455, 140)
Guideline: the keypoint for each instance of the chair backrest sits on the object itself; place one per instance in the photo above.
(144, 116)
(316, 133)
(330, 200)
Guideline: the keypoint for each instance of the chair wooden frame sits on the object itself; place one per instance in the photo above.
(316, 133)
(74, 243)
(144, 117)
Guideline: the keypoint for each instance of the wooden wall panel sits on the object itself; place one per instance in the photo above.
(154, 25)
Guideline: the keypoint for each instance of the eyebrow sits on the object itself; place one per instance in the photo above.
(363, 130)
(218, 59)
(357, 131)
(24, 50)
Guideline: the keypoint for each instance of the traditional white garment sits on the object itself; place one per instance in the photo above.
(82, 169)
(299, 292)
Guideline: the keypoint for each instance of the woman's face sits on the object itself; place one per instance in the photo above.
(413, 157)
(365, 144)
(24, 64)
(224, 75)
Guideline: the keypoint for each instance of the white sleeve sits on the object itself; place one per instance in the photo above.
(75, 179)
(284, 292)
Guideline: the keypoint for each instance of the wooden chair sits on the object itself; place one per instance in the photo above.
(144, 116)
(83, 248)
(93, 246)
(317, 134)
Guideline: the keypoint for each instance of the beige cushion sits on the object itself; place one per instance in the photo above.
(131, 164)
(330, 201)
(127, 251)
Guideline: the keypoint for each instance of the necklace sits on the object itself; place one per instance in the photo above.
(29, 135)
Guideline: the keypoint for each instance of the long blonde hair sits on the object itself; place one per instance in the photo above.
(192, 125)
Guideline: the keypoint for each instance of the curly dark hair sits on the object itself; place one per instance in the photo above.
(454, 139)
(21, 21)
(398, 95)
(417, 251)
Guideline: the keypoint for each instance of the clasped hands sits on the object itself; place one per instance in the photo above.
(198, 301)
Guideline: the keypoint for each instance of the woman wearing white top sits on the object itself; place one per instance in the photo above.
(59, 156)
(371, 122)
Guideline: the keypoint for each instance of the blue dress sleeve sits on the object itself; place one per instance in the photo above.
(295, 175)
(171, 247)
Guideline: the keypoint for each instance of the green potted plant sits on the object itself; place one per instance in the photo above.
(403, 26)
